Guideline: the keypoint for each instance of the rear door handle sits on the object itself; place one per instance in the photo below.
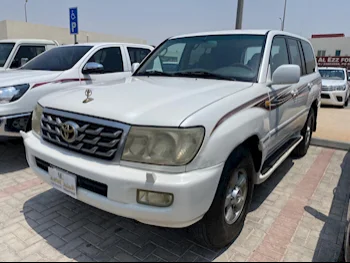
(294, 93)
(309, 85)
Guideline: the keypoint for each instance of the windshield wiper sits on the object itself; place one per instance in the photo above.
(203, 74)
(154, 73)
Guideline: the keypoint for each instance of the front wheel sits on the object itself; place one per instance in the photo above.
(225, 219)
(306, 132)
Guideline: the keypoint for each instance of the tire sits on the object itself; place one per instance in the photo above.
(346, 103)
(306, 132)
(214, 230)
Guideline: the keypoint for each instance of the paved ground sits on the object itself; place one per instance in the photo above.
(333, 124)
(298, 215)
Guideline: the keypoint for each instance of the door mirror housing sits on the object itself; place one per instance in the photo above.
(134, 67)
(24, 61)
(93, 68)
(286, 75)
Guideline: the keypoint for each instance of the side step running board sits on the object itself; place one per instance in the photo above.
(271, 164)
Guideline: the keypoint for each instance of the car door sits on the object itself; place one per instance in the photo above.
(137, 54)
(282, 98)
(114, 63)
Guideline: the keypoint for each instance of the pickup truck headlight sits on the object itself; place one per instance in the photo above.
(163, 146)
(12, 93)
(340, 88)
(36, 119)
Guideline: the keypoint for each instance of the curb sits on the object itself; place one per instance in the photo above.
(345, 146)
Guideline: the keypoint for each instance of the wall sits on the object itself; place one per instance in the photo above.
(3, 30)
(18, 29)
(331, 45)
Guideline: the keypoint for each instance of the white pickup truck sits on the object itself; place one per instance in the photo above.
(16, 52)
(61, 68)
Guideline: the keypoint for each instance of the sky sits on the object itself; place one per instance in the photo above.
(156, 20)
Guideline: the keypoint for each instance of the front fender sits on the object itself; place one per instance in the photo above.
(222, 140)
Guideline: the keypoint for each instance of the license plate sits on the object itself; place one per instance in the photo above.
(63, 181)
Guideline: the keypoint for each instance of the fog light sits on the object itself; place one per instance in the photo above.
(154, 198)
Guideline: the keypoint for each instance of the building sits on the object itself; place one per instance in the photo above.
(328, 45)
(17, 29)
(332, 50)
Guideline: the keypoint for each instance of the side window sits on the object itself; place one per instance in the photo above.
(110, 58)
(309, 57)
(295, 53)
(27, 53)
(137, 54)
(279, 53)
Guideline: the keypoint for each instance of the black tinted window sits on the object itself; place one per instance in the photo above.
(279, 53)
(295, 53)
(309, 57)
(110, 58)
(5, 50)
(27, 52)
(137, 54)
(58, 59)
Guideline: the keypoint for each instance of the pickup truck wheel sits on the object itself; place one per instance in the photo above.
(346, 103)
(225, 219)
(306, 132)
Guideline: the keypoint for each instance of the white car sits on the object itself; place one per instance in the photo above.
(57, 69)
(335, 86)
(184, 143)
(14, 53)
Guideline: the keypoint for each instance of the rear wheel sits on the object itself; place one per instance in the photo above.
(225, 219)
(306, 132)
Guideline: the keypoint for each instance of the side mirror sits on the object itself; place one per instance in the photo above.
(93, 68)
(134, 67)
(24, 61)
(286, 74)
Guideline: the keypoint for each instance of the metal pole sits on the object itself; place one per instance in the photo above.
(239, 16)
(75, 39)
(284, 15)
(25, 10)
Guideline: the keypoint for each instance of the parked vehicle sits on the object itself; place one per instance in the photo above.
(57, 69)
(15, 53)
(183, 147)
(335, 86)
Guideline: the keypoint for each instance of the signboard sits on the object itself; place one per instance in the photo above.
(343, 62)
(73, 21)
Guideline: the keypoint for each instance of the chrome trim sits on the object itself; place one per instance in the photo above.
(3, 122)
(94, 120)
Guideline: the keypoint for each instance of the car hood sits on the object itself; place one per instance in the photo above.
(332, 82)
(156, 101)
(14, 77)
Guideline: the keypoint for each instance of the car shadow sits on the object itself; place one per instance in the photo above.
(12, 155)
(330, 241)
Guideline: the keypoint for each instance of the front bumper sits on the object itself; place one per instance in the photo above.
(335, 98)
(193, 191)
(10, 126)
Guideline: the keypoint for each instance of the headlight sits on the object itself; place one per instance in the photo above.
(340, 88)
(163, 146)
(36, 119)
(12, 93)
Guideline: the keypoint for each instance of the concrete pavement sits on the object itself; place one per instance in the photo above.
(297, 215)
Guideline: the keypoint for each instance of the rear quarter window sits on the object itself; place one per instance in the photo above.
(309, 57)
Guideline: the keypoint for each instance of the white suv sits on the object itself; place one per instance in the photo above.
(335, 86)
(184, 142)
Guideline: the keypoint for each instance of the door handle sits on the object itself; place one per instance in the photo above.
(294, 93)
(309, 86)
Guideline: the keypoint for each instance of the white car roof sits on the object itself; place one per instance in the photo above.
(240, 32)
(332, 68)
(108, 43)
(26, 41)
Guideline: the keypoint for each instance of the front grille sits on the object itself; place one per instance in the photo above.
(92, 139)
(87, 184)
(327, 88)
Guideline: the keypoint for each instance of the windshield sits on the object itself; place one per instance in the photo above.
(5, 50)
(231, 57)
(332, 74)
(58, 59)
